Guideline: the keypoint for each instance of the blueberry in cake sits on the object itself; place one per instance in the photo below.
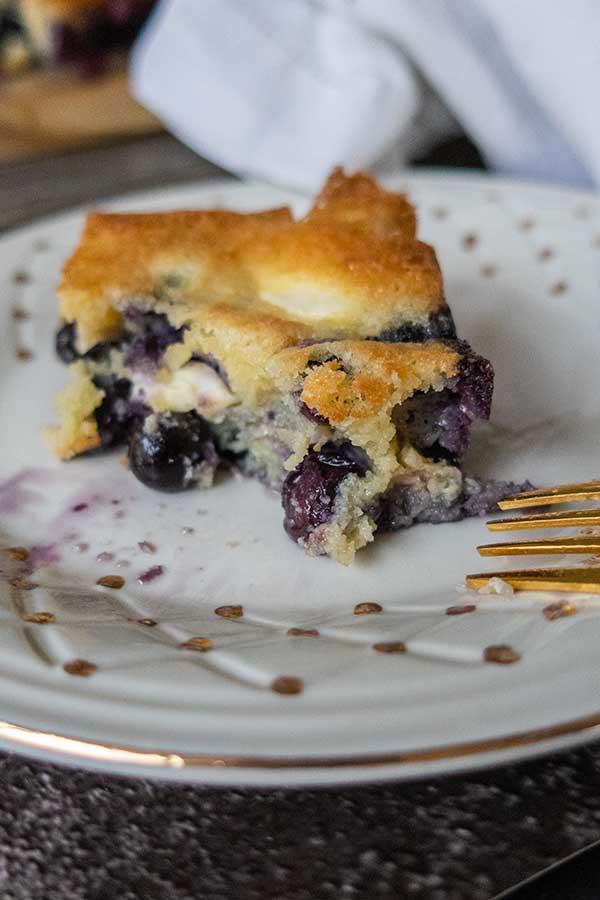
(318, 355)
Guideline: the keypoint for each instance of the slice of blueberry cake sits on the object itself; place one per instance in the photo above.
(318, 355)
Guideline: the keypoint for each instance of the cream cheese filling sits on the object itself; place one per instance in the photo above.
(196, 386)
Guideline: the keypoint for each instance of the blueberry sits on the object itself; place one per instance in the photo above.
(439, 327)
(475, 386)
(309, 492)
(116, 415)
(435, 424)
(439, 423)
(311, 414)
(65, 343)
(173, 455)
(151, 334)
(67, 352)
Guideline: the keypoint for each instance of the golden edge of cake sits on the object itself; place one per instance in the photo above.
(351, 268)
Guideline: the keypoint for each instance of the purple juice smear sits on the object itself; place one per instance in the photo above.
(105, 556)
(150, 574)
(146, 547)
(40, 555)
(15, 495)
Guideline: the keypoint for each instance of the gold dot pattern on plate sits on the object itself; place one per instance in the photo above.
(19, 314)
(390, 647)
(202, 644)
(546, 253)
(18, 553)
(461, 610)
(488, 270)
(20, 583)
(302, 632)
(503, 654)
(559, 610)
(81, 667)
(23, 354)
(559, 287)
(149, 623)
(235, 611)
(470, 240)
(367, 608)
(439, 212)
(111, 581)
(39, 618)
(287, 684)
(526, 224)
(21, 277)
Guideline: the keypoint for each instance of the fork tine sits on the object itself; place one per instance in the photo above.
(565, 493)
(547, 520)
(582, 544)
(581, 580)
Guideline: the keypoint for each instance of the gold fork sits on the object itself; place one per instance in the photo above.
(581, 579)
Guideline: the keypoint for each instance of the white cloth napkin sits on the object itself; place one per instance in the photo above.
(286, 89)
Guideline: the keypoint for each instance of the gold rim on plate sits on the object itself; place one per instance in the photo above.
(83, 749)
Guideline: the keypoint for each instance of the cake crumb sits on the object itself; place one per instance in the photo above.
(497, 586)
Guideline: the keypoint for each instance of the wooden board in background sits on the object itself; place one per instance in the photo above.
(54, 109)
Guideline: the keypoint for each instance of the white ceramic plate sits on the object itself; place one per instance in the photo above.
(522, 269)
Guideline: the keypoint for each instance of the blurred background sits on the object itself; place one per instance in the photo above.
(99, 96)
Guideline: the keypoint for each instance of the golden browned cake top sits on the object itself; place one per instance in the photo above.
(351, 268)
(358, 384)
(358, 200)
(355, 379)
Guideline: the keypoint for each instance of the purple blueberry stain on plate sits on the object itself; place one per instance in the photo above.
(150, 574)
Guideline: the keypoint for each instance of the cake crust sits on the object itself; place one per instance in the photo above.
(351, 269)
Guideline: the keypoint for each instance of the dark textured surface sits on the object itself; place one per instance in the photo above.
(67, 835)
(70, 835)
